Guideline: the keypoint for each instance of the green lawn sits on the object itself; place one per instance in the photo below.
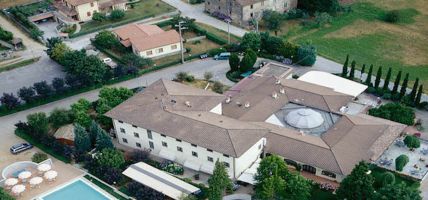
(377, 173)
(364, 35)
(141, 10)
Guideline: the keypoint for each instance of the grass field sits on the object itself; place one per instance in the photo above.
(10, 3)
(218, 32)
(364, 35)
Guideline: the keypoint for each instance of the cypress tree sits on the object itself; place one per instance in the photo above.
(369, 76)
(396, 83)
(404, 86)
(418, 97)
(345, 67)
(378, 77)
(414, 90)
(363, 69)
(352, 73)
(387, 79)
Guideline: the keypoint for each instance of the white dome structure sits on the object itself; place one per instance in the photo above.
(304, 118)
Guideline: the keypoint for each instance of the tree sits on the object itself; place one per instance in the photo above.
(117, 14)
(60, 117)
(133, 60)
(345, 67)
(5, 35)
(396, 83)
(111, 158)
(329, 6)
(58, 84)
(390, 110)
(388, 178)
(110, 98)
(273, 20)
(9, 100)
(352, 73)
(363, 70)
(59, 51)
(369, 76)
(273, 187)
(250, 40)
(419, 95)
(248, 61)
(82, 142)
(88, 69)
(51, 42)
(138, 155)
(39, 157)
(398, 191)
(274, 45)
(414, 90)
(404, 86)
(357, 185)
(39, 124)
(208, 76)
(306, 55)
(187, 23)
(378, 77)
(218, 87)
(4, 195)
(234, 62)
(400, 162)
(80, 112)
(103, 140)
(106, 39)
(27, 94)
(387, 79)
(97, 16)
(218, 182)
(43, 89)
(412, 142)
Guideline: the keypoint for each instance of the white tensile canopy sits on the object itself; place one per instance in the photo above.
(24, 175)
(304, 118)
(248, 175)
(18, 189)
(159, 180)
(11, 181)
(36, 180)
(51, 175)
(44, 167)
(337, 83)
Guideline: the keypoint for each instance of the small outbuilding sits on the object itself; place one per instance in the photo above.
(65, 134)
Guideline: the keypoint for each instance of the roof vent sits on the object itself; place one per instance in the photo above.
(188, 104)
(173, 101)
(343, 109)
(239, 103)
(247, 104)
(228, 99)
(274, 95)
(278, 81)
(282, 91)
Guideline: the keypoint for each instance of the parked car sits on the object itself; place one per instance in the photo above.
(18, 148)
(203, 56)
(222, 56)
(109, 62)
(235, 186)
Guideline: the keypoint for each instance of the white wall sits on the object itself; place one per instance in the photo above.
(217, 109)
(249, 157)
(155, 51)
(83, 9)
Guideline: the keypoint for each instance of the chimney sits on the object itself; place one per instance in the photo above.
(247, 104)
(277, 82)
(239, 104)
(188, 104)
(274, 95)
(282, 91)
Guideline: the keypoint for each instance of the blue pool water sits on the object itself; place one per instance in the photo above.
(76, 191)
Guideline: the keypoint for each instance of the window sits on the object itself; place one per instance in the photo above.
(149, 134)
(177, 140)
(251, 7)
(88, 14)
(209, 150)
(136, 135)
(164, 144)
(124, 140)
(151, 145)
(210, 159)
(174, 46)
(149, 52)
(209, 3)
(163, 135)
(134, 126)
(121, 122)
(122, 130)
(219, 7)
(226, 164)
(194, 154)
(310, 169)
(251, 14)
(138, 145)
(329, 174)
(179, 149)
(92, 4)
(225, 155)
(194, 145)
(160, 50)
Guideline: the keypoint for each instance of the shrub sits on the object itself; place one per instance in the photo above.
(43, 89)
(9, 100)
(208, 76)
(218, 87)
(306, 55)
(60, 117)
(5, 35)
(390, 110)
(117, 14)
(400, 162)
(388, 178)
(322, 19)
(181, 76)
(392, 16)
(190, 78)
(98, 17)
(234, 62)
(39, 157)
(27, 94)
(412, 141)
(214, 52)
(58, 84)
(248, 61)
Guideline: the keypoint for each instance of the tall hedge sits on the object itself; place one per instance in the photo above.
(400, 162)
(412, 141)
(389, 111)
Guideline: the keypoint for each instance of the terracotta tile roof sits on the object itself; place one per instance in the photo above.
(145, 37)
(79, 2)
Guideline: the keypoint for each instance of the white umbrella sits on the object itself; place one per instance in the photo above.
(24, 175)
(36, 180)
(51, 174)
(44, 167)
(11, 181)
(17, 189)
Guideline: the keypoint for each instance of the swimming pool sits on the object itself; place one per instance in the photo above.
(77, 190)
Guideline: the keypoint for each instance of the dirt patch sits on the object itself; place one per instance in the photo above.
(420, 5)
(10, 3)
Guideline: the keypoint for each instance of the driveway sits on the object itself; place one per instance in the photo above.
(49, 29)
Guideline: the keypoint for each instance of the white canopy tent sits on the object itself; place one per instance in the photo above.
(36, 180)
(50, 175)
(11, 182)
(44, 167)
(337, 83)
(167, 155)
(159, 180)
(24, 175)
(18, 189)
(194, 165)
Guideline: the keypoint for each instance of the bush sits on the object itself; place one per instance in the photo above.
(388, 178)
(5, 35)
(39, 157)
(98, 17)
(322, 19)
(9, 100)
(60, 117)
(248, 61)
(306, 55)
(190, 78)
(218, 87)
(234, 62)
(400, 162)
(294, 13)
(392, 16)
(412, 142)
(117, 14)
(181, 76)
(208, 76)
(390, 110)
